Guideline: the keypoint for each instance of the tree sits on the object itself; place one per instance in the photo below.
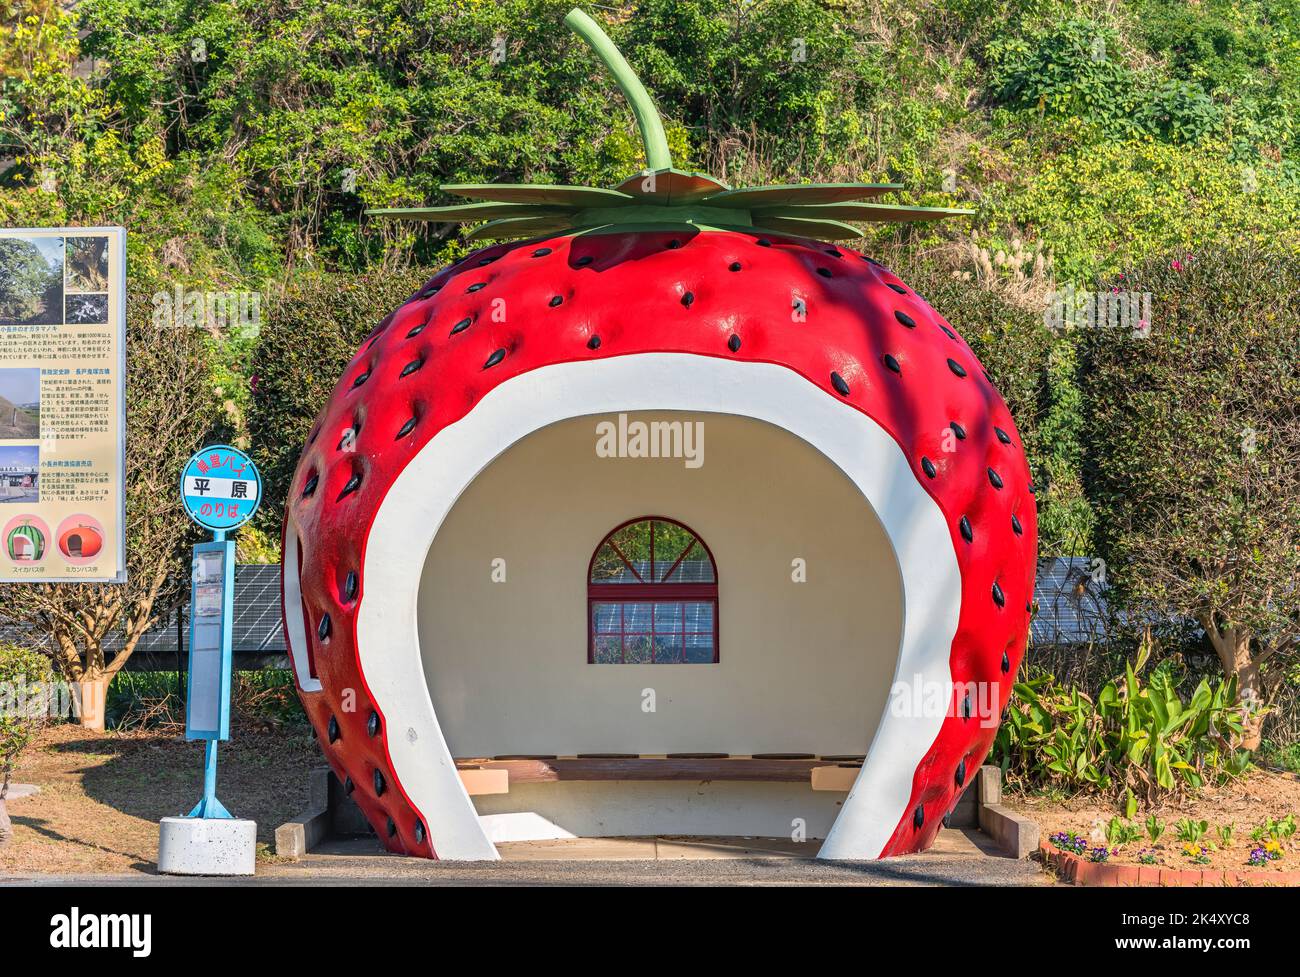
(1194, 458)
(170, 410)
(26, 282)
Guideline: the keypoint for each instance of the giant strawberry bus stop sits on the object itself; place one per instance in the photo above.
(507, 625)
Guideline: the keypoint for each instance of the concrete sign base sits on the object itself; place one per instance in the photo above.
(207, 846)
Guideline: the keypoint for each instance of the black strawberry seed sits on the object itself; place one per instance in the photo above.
(431, 291)
(495, 358)
(834, 253)
(674, 244)
(379, 784)
(487, 261)
(348, 786)
(927, 466)
(995, 479)
(392, 827)
(948, 332)
(958, 430)
(1016, 527)
(1031, 489)
(477, 286)
(734, 266)
(956, 368)
(556, 300)
(892, 364)
(416, 331)
(824, 272)
(360, 380)
(584, 261)
(411, 367)
(966, 532)
(419, 832)
(897, 288)
(372, 724)
(918, 817)
(350, 587)
(1006, 663)
(353, 484)
(541, 252)
(961, 772)
(840, 386)
(324, 628)
(460, 326)
(733, 343)
(405, 429)
(999, 597)
(965, 707)
(905, 319)
(763, 242)
(593, 342)
(332, 730)
(688, 298)
(310, 487)
(1003, 436)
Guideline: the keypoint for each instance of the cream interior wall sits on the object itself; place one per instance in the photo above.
(805, 667)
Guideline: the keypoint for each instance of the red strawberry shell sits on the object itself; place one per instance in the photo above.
(816, 338)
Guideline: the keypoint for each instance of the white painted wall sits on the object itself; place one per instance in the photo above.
(804, 667)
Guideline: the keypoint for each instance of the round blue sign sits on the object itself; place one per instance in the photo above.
(221, 488)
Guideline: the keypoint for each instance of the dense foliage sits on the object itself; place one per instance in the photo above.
(1137, 740)
(1194, 455)
(241, 141)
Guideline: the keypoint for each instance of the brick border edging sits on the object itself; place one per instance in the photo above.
(1080, 871)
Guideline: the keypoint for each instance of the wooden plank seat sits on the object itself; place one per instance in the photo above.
(779, 768)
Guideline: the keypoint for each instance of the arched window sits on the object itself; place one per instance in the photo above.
(652, 597)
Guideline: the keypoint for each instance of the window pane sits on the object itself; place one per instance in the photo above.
(699, 616)
(668, 649)
(608, 651)
(699, 648)
(671, 541)
(636, 649)
(606, 618)
(696, 568)
(636, 618)
(668, 618)
(608, 567)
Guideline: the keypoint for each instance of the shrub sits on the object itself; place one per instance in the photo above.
(25, 680)
(1133, 740)
(1194, 451)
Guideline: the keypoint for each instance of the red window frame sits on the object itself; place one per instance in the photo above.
(652, 593)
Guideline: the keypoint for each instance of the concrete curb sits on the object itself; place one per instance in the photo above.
(330, 813)
(1015, 834)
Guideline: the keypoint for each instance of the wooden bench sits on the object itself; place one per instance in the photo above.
(484, 775)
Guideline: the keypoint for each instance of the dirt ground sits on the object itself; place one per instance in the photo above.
(102, 795)
(1244, 804)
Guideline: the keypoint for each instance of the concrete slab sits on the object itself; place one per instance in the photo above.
(17, 791)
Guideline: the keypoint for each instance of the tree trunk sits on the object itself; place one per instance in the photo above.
(89, 698)
(6, 828)
(1233, 648)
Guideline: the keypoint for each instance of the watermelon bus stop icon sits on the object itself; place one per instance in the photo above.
(221, 488)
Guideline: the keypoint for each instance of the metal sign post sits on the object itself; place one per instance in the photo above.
(221, 490)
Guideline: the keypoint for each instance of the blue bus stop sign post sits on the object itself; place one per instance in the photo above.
(221, 490)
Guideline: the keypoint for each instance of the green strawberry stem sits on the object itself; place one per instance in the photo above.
(643, 107)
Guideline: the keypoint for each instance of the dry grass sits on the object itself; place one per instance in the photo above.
(102, 795)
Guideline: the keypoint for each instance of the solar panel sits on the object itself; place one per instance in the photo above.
(1072, 609)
